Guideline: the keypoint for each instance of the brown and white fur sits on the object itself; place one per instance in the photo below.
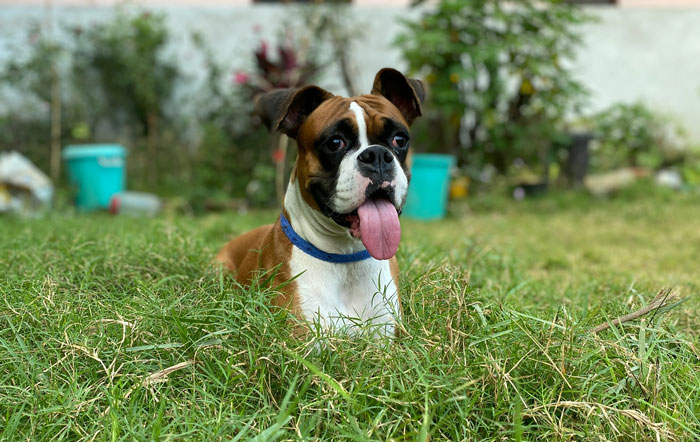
(349, 150)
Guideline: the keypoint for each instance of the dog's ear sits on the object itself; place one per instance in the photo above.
(406, 94)
(286, 109)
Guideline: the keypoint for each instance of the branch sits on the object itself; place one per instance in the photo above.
(662, 299)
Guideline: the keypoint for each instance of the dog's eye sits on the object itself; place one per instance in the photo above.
(399, 141)
(335, 144)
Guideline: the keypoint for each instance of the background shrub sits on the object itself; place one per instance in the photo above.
(500, 88)
(632, 135)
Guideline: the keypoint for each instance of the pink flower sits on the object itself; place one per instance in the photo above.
(240, 77)
(277, 156)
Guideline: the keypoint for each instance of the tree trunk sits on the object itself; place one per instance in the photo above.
(55, 124)
(152, 140)
(55, 104)
(342, 56)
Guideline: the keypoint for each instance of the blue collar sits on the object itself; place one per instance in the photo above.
(314, 251)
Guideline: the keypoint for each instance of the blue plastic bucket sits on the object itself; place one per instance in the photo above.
(429, 188)
(96, 171)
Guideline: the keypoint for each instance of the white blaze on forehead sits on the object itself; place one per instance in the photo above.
(361, 124)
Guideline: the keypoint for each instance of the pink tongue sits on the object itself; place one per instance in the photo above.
(380, 230)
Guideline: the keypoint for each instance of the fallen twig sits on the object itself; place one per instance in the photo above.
(662, 299)
(162, 375)
(159, 376)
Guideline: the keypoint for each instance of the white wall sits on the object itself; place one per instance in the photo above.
(652, 55)
(649, 54)
(232, 31)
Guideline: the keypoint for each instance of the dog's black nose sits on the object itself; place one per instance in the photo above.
(375, 158)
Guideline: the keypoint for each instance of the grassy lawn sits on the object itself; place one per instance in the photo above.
(116, 329)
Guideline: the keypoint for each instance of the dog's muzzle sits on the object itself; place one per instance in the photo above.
(378, 164)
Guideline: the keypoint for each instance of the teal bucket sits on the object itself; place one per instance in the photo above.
(96, 171)
(429, 188)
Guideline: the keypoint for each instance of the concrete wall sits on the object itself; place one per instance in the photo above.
(648, 54)
(232, 32)
(652, 55)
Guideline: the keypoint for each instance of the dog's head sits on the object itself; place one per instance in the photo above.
(353, 152)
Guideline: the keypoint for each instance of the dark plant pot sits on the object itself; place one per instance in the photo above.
(578, 158)
(526, 190)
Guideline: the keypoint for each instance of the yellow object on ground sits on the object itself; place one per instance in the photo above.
(459, 188)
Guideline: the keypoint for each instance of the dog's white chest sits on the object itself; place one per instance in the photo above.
(342, 296)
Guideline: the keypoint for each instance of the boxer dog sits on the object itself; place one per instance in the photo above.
(335, 240)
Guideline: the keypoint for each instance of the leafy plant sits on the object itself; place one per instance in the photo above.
(117, 83)
(500, 87)
(312, 39)
(30, 71)
(124, 73)
(690, 170)
(235, 148)
(236, 153)
(632, 135)
(290, 68)
(37, 70)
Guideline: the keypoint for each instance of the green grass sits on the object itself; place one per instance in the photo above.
(497, 304)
